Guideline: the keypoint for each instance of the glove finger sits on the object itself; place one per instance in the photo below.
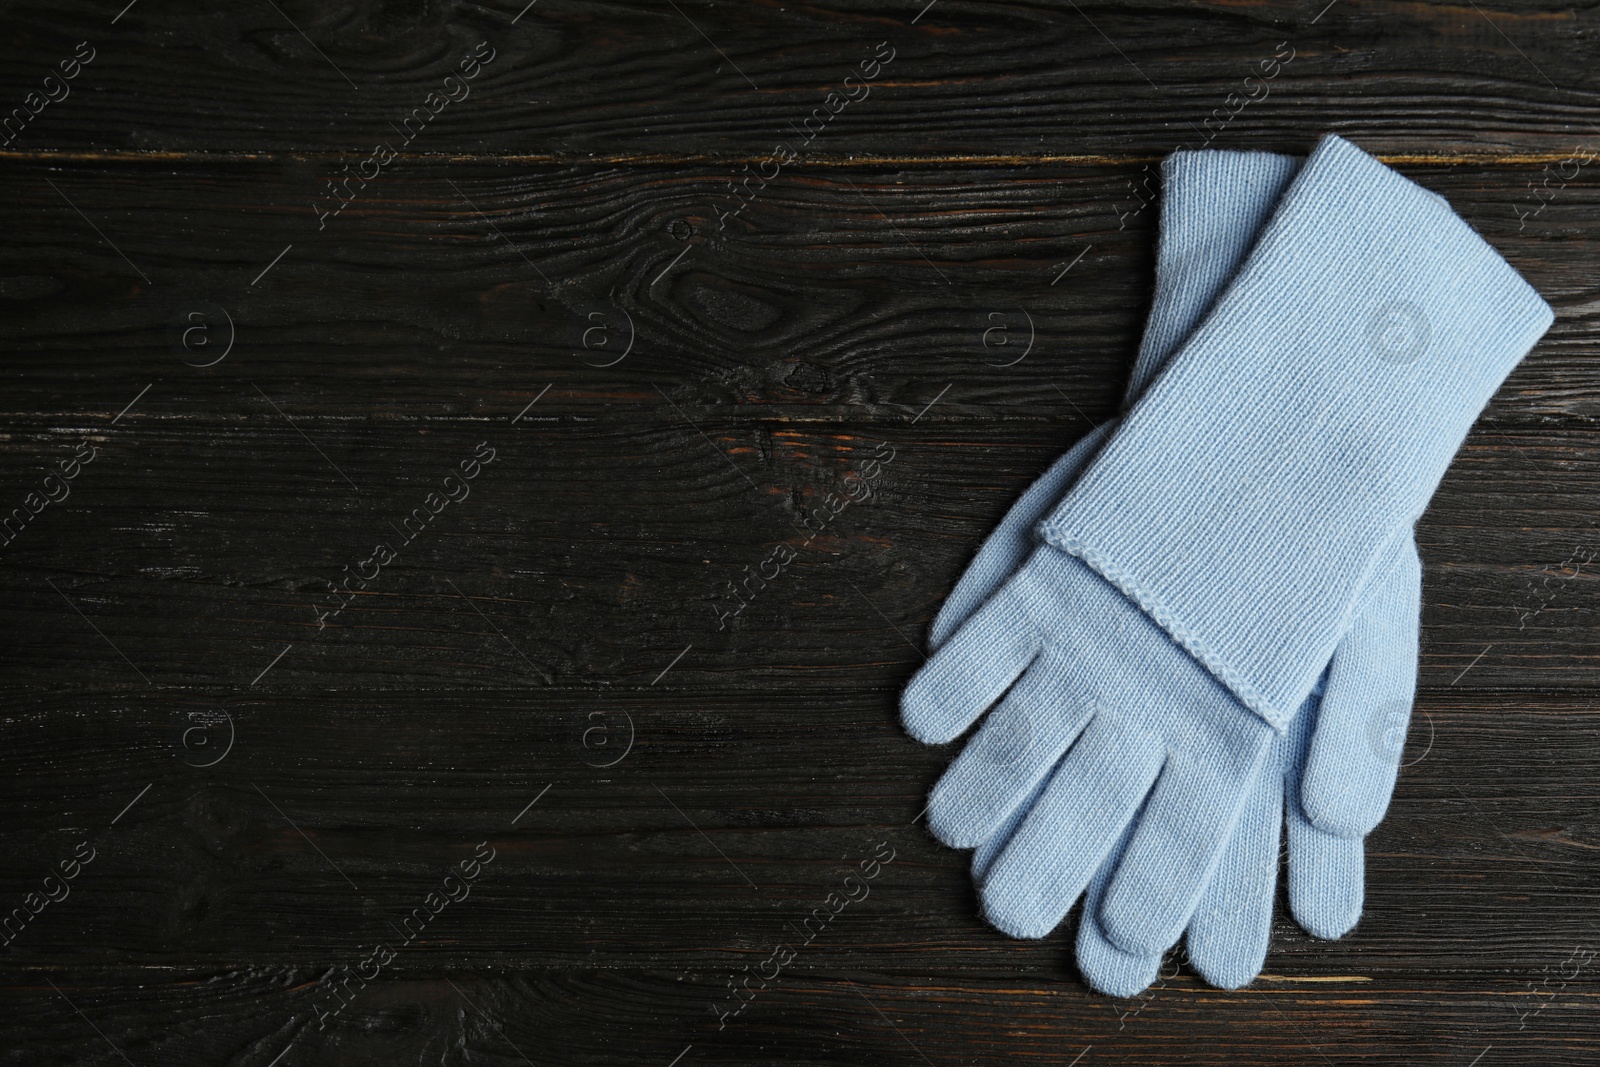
(1008, 547)
(1355, 750)
(1327, 877)
(1182, 832)
(1103, 965)
(1013, 752)
(1232, 924)
(961, 680)
(1092, 797)
(984, 855)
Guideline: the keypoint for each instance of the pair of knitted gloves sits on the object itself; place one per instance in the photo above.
(1200, 625)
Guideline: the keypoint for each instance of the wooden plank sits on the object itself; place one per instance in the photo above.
(266, 799)
(765, 369)
(462, 290)
(607, 543)
(645, 81)
(815, 1016)
(727, 820)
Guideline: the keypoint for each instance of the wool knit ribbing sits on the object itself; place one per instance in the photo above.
(1252, 492)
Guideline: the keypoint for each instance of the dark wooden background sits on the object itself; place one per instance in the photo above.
(267, 798)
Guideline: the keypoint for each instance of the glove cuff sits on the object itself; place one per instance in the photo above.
(1213, 204)
(1250, 494)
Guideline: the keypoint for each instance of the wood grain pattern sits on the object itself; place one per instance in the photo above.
(595, 550)
(641, 82)
(821, 1016)
(553, 666)
(728, 817)
(762, 372)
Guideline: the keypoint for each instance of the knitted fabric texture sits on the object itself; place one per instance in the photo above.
(1252, 491)
(1212, 205)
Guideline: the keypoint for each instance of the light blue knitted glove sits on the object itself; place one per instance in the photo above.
(1230, 928)
(1213, 206)
(1243, 504)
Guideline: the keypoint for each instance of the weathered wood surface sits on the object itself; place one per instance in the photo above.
(760, 373)
(728, 815)
(645, 80)
(816, 1017)
(872, 301)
